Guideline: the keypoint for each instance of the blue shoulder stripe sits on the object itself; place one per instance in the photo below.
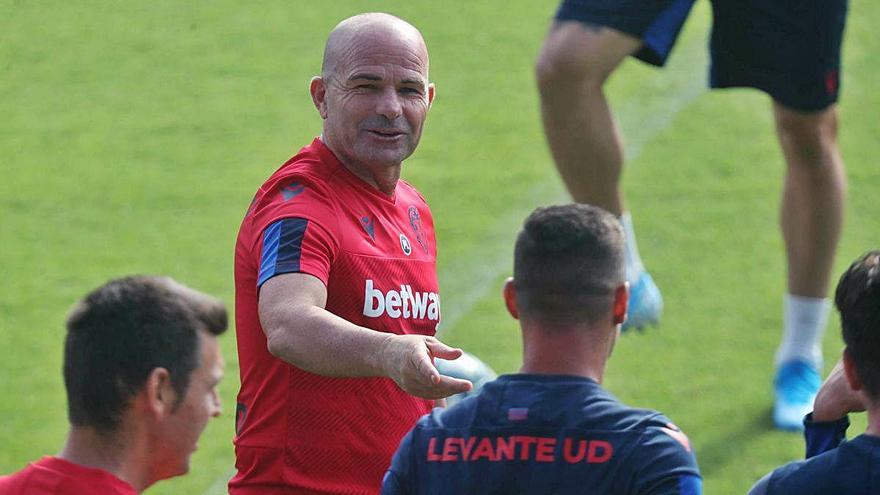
(282, 248)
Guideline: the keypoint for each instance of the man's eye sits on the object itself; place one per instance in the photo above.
(411, 91)
(365, 86)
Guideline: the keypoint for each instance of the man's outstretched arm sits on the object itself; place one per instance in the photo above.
(301, 332)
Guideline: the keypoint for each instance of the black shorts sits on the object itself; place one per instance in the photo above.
(788, 48)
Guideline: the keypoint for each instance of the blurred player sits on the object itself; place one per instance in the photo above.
(552, 428)
(141, 367)
(833, 465)
(791, 50)
(336, 284)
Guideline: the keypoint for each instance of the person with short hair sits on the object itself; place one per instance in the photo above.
(788, 49)
(834, 465)
(141, 368)
(337, 300)
(552, 428)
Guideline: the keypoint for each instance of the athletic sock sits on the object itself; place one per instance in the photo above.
(634, 266)
(804, 322)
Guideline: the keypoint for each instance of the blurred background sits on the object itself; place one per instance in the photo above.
(134, 134)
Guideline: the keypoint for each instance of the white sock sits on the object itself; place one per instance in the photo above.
(804, 320)
(634, 266)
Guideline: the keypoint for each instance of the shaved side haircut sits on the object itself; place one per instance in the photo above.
(568, 261)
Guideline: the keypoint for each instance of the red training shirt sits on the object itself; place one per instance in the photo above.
(54, 476)
(297, 432)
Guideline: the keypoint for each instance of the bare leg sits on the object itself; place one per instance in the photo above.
(574, 64)
(813, 199)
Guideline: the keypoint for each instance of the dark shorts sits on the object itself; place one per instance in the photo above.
(788, 48)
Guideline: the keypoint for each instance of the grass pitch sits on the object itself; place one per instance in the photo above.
(134, 136)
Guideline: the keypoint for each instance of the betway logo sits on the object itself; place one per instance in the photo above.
(404, 303)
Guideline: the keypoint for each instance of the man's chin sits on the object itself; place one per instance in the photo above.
(384, 154)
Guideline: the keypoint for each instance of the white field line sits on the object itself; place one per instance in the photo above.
(646, 114)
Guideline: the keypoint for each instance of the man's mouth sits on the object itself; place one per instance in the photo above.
(387, 133)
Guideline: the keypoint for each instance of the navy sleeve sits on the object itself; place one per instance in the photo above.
(667, 464)
(396, 480)
(823, 436)
(282, 248)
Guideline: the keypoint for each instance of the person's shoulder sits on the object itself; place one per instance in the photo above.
(831, 471)
(311, 164)
(604, 410)
(303, 180)
(53, 475)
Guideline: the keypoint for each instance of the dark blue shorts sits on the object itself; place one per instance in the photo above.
(788, 48)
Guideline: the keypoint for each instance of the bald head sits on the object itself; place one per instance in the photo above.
(366, 30)
(373, 95)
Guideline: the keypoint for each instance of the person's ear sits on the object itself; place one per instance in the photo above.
(318, 90)
(621, 301)
(510, 298)
(849, 369)
(432, 91)
(159, 393)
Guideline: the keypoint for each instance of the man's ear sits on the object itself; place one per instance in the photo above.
(849, 369)
(318, 90)
(510, 298)
(432, 91)
(621, 301)
(159, 393)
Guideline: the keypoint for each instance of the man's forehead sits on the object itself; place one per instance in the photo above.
(373, 70)
(391, 45)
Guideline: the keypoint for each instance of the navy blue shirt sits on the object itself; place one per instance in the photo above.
(833, 465)
(535, 434)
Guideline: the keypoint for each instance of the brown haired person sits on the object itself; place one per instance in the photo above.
(834, 465)
(141, 368)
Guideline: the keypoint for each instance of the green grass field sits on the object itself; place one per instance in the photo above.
(134, 135)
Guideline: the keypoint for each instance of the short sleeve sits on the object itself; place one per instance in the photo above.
(298, 232)
(667, 464)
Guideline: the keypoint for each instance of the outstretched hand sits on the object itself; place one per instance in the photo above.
(836, 398)
(409, 361)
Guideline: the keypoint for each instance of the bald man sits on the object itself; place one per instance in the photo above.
(336, 285)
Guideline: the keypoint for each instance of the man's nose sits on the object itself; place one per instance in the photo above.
(389, 104)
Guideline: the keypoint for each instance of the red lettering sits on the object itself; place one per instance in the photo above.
(571, 457)
(484, 449)
(594, 456)
(432, 447)
(526, 443)
(449, 449)
(544, 450)
(466, 447)
(505, 448)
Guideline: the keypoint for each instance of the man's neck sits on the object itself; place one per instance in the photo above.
(87, 447)
(873, 428)
(578, 352)
(382, 178)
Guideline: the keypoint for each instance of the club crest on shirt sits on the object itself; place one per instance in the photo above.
(405, 245)
(415, 221)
